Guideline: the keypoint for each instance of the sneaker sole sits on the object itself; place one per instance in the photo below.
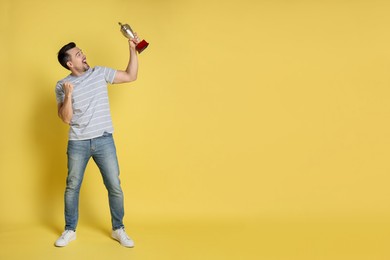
(70, 240)
(116, 239)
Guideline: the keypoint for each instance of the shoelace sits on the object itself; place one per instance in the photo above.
(66, 234)
(123, 235)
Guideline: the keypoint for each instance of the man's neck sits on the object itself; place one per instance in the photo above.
(75, 73)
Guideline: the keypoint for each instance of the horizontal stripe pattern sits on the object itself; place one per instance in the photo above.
(91, 108)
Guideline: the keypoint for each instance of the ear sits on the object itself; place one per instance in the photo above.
(69, 64)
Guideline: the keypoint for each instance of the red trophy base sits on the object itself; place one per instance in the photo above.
(141, 46)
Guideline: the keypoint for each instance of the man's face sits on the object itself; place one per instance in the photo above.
(78, 61)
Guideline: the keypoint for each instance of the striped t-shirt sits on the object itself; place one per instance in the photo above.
(91, 110)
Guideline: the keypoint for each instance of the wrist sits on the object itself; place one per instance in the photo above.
(133, 51)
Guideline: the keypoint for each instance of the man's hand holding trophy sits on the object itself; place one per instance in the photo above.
(128, 33)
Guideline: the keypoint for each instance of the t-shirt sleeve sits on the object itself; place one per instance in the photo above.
(109, 74)
(60, 94)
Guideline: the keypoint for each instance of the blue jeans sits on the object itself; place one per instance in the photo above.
(102, 150)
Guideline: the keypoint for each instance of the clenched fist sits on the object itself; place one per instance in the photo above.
(68, 88)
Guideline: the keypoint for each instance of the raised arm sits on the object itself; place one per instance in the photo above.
(130, 74)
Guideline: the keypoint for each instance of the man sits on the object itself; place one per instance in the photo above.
(83, 104)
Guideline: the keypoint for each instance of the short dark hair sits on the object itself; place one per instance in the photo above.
(63, 56)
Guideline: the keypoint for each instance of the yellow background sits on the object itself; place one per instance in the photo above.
(246, 112)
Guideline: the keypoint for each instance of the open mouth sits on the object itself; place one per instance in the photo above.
(85, 62)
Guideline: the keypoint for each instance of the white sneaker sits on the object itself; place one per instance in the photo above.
(122, 237)
(65, 238)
